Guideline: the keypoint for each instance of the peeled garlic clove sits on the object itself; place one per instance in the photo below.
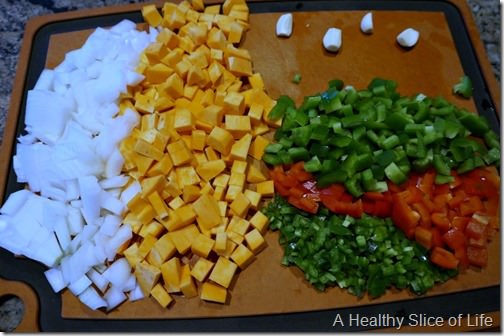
(284, 25)
(408, 38)
(332, 39)
(366, 24)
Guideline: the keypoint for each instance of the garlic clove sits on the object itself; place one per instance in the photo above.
(284, 25)
(408, 38)
(332, 39)
(366, 24)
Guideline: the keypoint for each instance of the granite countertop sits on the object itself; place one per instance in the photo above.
(15, 13)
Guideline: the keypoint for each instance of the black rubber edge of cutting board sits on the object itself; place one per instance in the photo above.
(476, 301)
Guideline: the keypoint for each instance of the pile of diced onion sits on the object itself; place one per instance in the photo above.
(70, 215)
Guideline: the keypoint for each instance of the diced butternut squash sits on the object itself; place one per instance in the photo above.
(171, 272)
(187, 176)
(161, 296)
(255, 175)
(253, 197)
(266, 188)
(151, 15)
(132, 255)
(238, 125)
(183, 120)
(154, 229)
(240, 205)
(220, 140)
(240, 148)
(201, 269)
(210, 169)
(238, 225)
(191, 193)
(257, 147)
(223, 272)
(146, 245)
(174, 86)
(202, 112)
(212, 292)
(179, 153)
(255, 241)
(207, 210)
(259, 221)
(187, 285)
(239, 66)
(234, 103)
(147, 276)
(202, 245)
(220, 242)
(242, 256)
(162, 250)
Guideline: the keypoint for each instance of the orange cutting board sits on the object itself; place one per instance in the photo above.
(432, 67)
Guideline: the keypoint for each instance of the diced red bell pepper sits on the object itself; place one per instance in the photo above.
(309, 205)
(481, 242)
(442, 189)
(343, 207)
(297, 192)
(427, 182)
(457, 199)
(441, 202)
(312, 196)
(460, 223)
(475, 229)
(457, 180)
(297, 170)
(334, 190)
(424, 237)
(368, 207)
(455, 239)
(404, 217)
(443, 258)
(288, 180)
(477, 256)
(461, 255)
(382, 208)
(492, 176)
(492, 206)
(303, 204)
(441, 221)
(374, 195)
(283, 191)
(437, 237)
(425, 219)
(471, 205)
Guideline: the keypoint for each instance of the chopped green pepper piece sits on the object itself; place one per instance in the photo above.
(313, 165)
(278, 111)
(272, 159)
(297, 78)
(474, 123)
(395, 174)
(463, 87)
(336, 83)
(273, 148)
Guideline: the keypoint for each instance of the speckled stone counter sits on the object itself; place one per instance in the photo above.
(15, 13)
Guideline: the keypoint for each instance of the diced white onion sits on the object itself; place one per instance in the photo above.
(80, 285)
(114, 297)
(55, 279)
(92, 299)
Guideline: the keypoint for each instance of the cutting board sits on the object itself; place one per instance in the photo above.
(448, 48)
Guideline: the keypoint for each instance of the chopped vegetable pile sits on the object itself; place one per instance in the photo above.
(363, 138)
(417, 162)
(366, 254)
